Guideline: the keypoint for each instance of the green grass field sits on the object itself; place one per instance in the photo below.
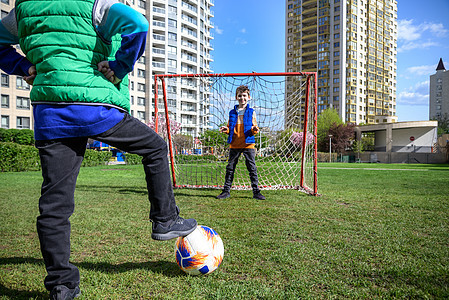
(377, 232)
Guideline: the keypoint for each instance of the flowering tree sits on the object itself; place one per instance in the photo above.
(297, 138)
(175, 127)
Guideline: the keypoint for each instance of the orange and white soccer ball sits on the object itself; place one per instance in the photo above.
(200, 252)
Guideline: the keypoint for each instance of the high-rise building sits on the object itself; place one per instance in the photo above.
(352, 45)
(179, 41)
(439, 92)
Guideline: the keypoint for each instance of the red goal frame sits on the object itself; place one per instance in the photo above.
(311, 78)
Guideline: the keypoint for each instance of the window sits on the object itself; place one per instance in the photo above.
(5, 80)
(142, 4)
(172, 9)
(141, 101)
(141, 73)
(140, 115)
(336, 62)
(23, 102)
(172, 63)
(141, 87)
(5, 101)
(23, 123)
(141, 60)
(336, 26)
(336, 44)
(5, 1)
(172, 36)
(21, 83)
(172, 23)
(5, 122)
(172, 50)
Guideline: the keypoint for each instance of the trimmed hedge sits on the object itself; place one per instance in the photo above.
(19, 158)
(19, 136)
(96, 158)
(15, 157)
(133, 159)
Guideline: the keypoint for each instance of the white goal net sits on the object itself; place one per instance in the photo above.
(285, 108)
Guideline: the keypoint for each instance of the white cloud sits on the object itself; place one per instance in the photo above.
(218, 30)
(417, 45)
(418, 36)
(407, 31)
(412, 32)
(415, 95)
(243, 30)
(422, 70)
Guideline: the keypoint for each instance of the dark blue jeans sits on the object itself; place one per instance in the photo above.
(250, 161)
(61, 160)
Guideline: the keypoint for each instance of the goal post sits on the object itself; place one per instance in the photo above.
(194, 106)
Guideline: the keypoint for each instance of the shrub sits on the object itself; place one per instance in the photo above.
(19, 136)
(15, 157)
(96, 158)
(132, 159)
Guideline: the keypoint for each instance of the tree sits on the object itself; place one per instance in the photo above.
(342, 135)
(182, 141)
(443, 124)
(358, 147)
(215, 141)
(326, 120)
(175, 127)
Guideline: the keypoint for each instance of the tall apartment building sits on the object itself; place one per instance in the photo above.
(439, 92)
(352, 45)
(179, 41)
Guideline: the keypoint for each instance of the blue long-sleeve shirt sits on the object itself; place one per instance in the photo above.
(77, 120)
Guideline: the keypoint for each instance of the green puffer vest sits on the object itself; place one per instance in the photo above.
(59, 38)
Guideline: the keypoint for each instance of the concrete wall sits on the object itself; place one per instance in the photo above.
(425, 138)
(404, 157)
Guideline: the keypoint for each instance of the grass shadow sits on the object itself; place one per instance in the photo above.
(169, 269)
(112, 189)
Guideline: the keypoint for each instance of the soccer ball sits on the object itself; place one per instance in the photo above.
(200, 252)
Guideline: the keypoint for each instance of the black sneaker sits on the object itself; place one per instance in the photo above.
(61, 292)
(258, 196)
(224, 195)
(163, 231)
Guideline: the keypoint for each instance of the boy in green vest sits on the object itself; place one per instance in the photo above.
(78, 55)
(241, 128)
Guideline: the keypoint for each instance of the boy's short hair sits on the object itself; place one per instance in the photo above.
(242, 89)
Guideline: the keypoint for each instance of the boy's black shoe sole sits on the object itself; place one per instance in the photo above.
(61, 292)
(177, 228)
(259, 196)
(224, 195)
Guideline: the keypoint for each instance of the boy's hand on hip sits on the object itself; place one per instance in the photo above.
(30, 79)
(104, 68)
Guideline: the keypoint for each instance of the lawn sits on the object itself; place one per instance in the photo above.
(377, 232)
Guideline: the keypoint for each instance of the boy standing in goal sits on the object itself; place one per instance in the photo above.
(241, 128)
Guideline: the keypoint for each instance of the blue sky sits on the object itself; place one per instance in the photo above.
(250, 36)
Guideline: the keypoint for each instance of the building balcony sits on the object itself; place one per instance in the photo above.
(309, 4)
(308, 11)
(309, 36)
(309, 20)
(309, 61)
(310, 27)
(309, 45)
(306, 55)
